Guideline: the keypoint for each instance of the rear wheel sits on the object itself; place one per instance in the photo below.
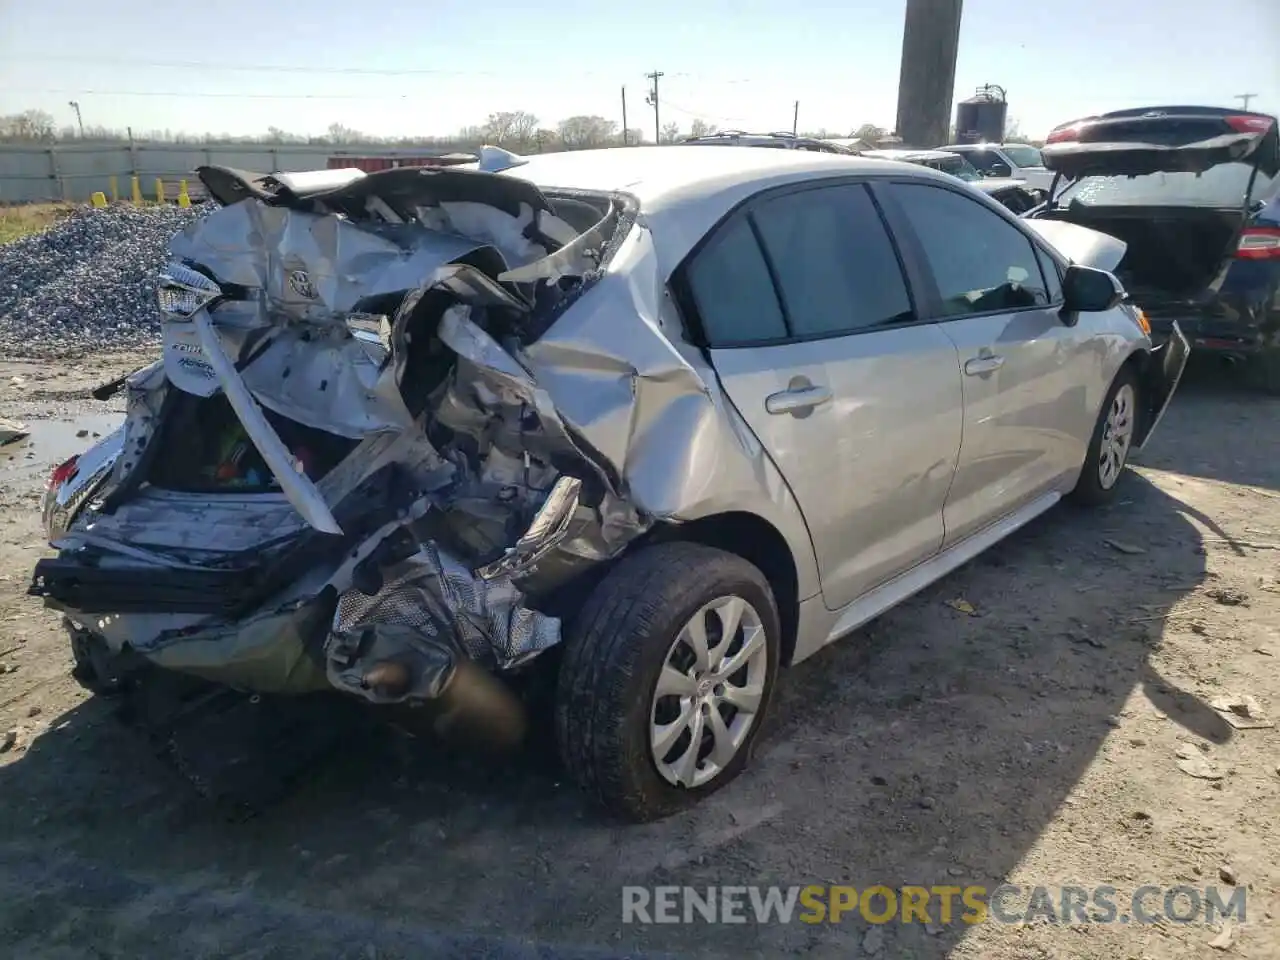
(1111, 442)
(666, 679)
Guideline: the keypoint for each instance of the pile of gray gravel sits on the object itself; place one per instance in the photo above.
(87, 283)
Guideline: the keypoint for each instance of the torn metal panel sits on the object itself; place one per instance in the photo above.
(301, 492)
(649, 406)
(549, 528)
(438, 604)
(310, 267)
(324, 321)
(277, 651)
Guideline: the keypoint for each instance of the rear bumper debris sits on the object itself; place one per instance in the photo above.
(1161, 376)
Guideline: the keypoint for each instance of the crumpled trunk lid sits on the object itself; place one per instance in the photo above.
(449, 485)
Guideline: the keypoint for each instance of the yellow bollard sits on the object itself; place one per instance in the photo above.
(137, 191)
(115, 188)
(99, 200)
(159, 190)
(184, 198)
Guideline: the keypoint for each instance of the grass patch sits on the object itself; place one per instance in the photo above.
(19, 221)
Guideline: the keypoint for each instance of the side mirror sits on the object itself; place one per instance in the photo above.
(1086, 290)
(998, 169)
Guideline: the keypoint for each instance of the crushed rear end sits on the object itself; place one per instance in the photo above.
(1180, 186)
(343, 473)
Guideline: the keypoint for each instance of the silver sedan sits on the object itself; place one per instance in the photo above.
(654, 422)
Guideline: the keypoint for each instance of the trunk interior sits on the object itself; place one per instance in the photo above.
(202, 448)
(1172, 251)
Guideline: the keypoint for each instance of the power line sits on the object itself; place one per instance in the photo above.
(234, 96)
(336, 70)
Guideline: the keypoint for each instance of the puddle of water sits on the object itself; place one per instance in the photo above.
(53, 441)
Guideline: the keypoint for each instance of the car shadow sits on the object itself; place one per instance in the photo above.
(932, 747)
(1217, 439)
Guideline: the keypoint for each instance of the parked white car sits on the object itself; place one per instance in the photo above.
(1020, 161)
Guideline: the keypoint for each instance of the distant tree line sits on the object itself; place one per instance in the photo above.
(513, 129)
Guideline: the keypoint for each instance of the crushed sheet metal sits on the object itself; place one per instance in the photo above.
(335, 382)
(313, 267)
(616, 380)
(427, 605)
(273, 651)
(93, 469)
(491, 394)
(549, 527)
(302, 493)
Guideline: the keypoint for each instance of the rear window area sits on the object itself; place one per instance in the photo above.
(1220, 186)
(1023, 156)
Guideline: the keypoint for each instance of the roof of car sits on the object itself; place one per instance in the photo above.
(684, 191)
(909, 154)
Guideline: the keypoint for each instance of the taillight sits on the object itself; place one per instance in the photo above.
(1259, 243)
(1250, 123)
(63, 472)
(1068, 131)
(1144, 324)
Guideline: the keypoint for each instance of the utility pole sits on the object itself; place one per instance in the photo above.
(927, 76)
(624, 115)
(795, 120)
(652, 100)
(1244, 99)
(79, 122)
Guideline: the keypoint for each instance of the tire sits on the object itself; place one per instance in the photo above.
(615, 650)
(1095, 486)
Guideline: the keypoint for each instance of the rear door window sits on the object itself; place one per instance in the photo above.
(836, 268)
(732, 290)
(980, 262)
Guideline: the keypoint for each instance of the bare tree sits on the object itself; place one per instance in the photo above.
(340, 133)
(1013, 132)
(870, 133)
(586, 132)
(544, 139)
(27, 125)
(670, 133)
(700, 128)
(509, 127)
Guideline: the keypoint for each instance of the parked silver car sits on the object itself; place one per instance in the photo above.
(660, 419)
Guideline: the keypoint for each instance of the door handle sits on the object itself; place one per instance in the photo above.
(797, 400)
(984, 364)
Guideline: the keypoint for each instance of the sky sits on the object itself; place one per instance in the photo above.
(404, 67)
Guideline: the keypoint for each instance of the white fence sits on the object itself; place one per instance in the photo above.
(74, 172)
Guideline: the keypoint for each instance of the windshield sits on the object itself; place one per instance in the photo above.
(955, 165)
(1023, 156)
(1220, 186)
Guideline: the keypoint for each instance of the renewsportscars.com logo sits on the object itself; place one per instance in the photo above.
(943, 904)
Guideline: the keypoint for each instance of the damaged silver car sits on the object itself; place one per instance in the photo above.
(655, 421)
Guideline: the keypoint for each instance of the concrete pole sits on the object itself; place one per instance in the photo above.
(926, 84)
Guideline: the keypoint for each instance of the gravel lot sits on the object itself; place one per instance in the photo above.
(1047, 738)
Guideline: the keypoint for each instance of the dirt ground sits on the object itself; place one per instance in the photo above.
(1035, 741)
